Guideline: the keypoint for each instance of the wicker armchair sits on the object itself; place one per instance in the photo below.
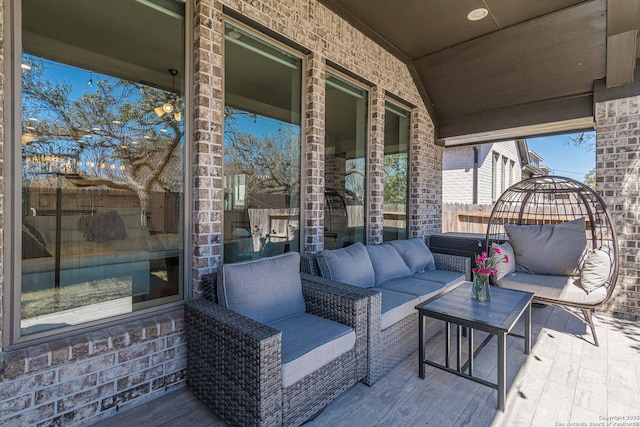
(234, 362)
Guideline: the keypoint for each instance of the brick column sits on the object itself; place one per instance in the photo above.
(618, 182)
(314, 154)
(375, 184)
(208, 120)
(425, 186)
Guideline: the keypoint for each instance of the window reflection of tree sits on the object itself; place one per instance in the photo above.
(270, 166)
(109, 136)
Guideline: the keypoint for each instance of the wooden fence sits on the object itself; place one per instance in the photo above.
(465, 218)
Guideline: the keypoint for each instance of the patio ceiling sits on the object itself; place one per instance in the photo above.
(529, 67)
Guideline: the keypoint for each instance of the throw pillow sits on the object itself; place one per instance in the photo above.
(387, 263)
(554, 249)
(103, 227)
(415, 254)
(266, 290)
(350, 265)
(504, 268)
(595, 271)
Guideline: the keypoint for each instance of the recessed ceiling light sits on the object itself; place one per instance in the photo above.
(477, 14)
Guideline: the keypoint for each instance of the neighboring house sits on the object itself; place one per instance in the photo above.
(479, 174)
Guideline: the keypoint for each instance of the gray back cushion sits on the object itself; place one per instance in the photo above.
(415, 254)
(266, 290)
(555, 249)
(350, 265)
(387, 263)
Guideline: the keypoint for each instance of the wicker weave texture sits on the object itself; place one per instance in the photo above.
(234, 363)
(551, 200)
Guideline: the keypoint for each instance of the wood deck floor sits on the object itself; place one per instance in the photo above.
(564, 379)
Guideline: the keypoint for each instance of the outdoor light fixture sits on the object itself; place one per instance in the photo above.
(169, 107)
(477, 14)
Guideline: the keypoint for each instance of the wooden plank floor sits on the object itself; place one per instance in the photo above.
(565, 379)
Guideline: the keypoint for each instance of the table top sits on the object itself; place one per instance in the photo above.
(498, 315)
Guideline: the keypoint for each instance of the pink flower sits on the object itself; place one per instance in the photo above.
(506, 258)
(496, 250)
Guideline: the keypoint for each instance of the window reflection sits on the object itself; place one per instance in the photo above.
(261, 148)
(396, 172)
(345, 166)
(102, 150)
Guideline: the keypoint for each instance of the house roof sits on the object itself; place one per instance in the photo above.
(528, 68)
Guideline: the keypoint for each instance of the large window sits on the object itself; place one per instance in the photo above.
(102, 160)
(261, 147)
(396, 172)
(345, 163)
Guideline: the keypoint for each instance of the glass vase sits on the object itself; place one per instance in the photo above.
(480, 288)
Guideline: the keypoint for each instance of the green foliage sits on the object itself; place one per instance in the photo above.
(590, 178)
(395, 178)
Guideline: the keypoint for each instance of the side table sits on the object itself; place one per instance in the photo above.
(497, 317)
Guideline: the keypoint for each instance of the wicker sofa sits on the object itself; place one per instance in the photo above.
(402, 273)
(275, 346)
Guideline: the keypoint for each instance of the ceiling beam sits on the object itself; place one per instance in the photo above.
(622, 35)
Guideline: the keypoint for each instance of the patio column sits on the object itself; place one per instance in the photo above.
(425, 184)
(208, 118)
(375, 184)
(618, 182)
(314, 143)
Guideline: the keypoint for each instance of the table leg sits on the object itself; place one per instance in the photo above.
(470, 337)
(502, 369)
(458, 346)
(527, 330)
(420, 345)
(447, 347)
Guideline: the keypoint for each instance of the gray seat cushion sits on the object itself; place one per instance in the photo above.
(387, 263)
(395, 307)
(350, 265)
(415, 254)
(422, 289)
(559, 288)
(447, 278)
(265, 290)
(310, 342)
(555, 249)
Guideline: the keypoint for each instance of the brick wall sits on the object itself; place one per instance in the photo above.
(618, 182)
(89, 376)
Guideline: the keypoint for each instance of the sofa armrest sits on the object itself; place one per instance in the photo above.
(309, 265)
(234, 364)
(457, 263)
(347, 304)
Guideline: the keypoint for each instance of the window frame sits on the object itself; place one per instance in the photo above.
(12, 338)
(265, 38)
(400, 106)
(330, 70)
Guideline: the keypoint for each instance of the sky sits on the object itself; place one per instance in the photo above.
(562, 157)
